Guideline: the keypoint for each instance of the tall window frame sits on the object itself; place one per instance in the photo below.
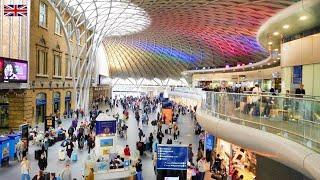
(42, 62)
(43, 14)
(57, 27)
(67, 66)
(57, 65)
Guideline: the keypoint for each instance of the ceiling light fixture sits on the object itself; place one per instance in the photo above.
(278, 58)
(302, 18)
(270, 43)
(276, 33)
(274, 61)
(286, 26)
(276, 49)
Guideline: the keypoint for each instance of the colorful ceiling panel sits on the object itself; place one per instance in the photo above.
(185, 34)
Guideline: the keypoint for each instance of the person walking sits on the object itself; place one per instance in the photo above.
(170, 127)
(42, 162)
(90, 144)
(69, 148)
(66, 173)
(19, 151)
(201, 168)
(140, 133)
(150, 141)
(138, 166)
(25, 169)
(160, 135)
(90, 175)
(39, 176)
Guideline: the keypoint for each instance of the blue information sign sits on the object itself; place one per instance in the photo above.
(210, 140)
(297, 75)
(106, 127)
(172, 157)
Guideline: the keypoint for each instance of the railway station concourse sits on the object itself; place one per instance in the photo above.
(160, 89)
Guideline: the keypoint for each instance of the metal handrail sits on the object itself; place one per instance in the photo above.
(267, 125)
(262, 95)
(294, 136)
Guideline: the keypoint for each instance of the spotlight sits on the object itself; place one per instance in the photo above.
(286, 26)
(302, 18)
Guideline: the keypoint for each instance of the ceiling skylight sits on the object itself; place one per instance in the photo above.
(110, 17)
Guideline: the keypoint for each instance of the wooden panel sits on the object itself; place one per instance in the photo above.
(316, 80)
(307, 78)
(316, 48)
(301, 51)
(306, 50)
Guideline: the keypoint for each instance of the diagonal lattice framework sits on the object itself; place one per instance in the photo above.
(185, 34)
(161, 38)
(100, 19)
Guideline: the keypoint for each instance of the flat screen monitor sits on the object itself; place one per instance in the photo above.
(13, 70)
(106, 142)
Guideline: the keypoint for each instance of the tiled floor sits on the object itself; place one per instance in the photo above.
(54, 165)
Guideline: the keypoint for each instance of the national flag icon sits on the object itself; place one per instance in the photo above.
(15, 10)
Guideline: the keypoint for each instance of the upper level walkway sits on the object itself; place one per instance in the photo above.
(284, 127)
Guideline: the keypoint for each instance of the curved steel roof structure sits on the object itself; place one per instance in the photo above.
(184, 34)
(162, 38)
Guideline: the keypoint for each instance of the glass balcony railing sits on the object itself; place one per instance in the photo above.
(294, 118)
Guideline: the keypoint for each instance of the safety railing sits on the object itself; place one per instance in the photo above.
(294, 118)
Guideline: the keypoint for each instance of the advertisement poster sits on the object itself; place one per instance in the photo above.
(1, 69)
(297, 75)
(210, 140)
(167, 115)
(5, 150)
(172, 157)
(106, 142)
(106, 127)
(13, 70)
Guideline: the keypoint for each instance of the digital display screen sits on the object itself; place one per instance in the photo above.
(106, 142)
(13, 71)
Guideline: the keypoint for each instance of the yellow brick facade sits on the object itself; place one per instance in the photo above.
(22, 103)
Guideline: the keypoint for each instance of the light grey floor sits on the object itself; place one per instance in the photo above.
(54, 165)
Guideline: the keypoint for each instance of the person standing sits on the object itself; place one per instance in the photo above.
(19, 151)
(300, 91)
(42, 162)
(90, 143)
(126, 151)
(160, 135)
(190, 153)
(25, 169)
(66, 173)
(138, 166)
(201, 168)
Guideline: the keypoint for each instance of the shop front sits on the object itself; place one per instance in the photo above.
(56, 102)
(4, 112)
(67, 101)
(41, 107)
(244, 161)
(237, 159)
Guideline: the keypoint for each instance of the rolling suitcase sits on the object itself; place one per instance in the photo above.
(62, 155)
(74, 156)
(166, 131)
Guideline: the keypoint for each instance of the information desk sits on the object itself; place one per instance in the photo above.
(106, 124)
(122, 173)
